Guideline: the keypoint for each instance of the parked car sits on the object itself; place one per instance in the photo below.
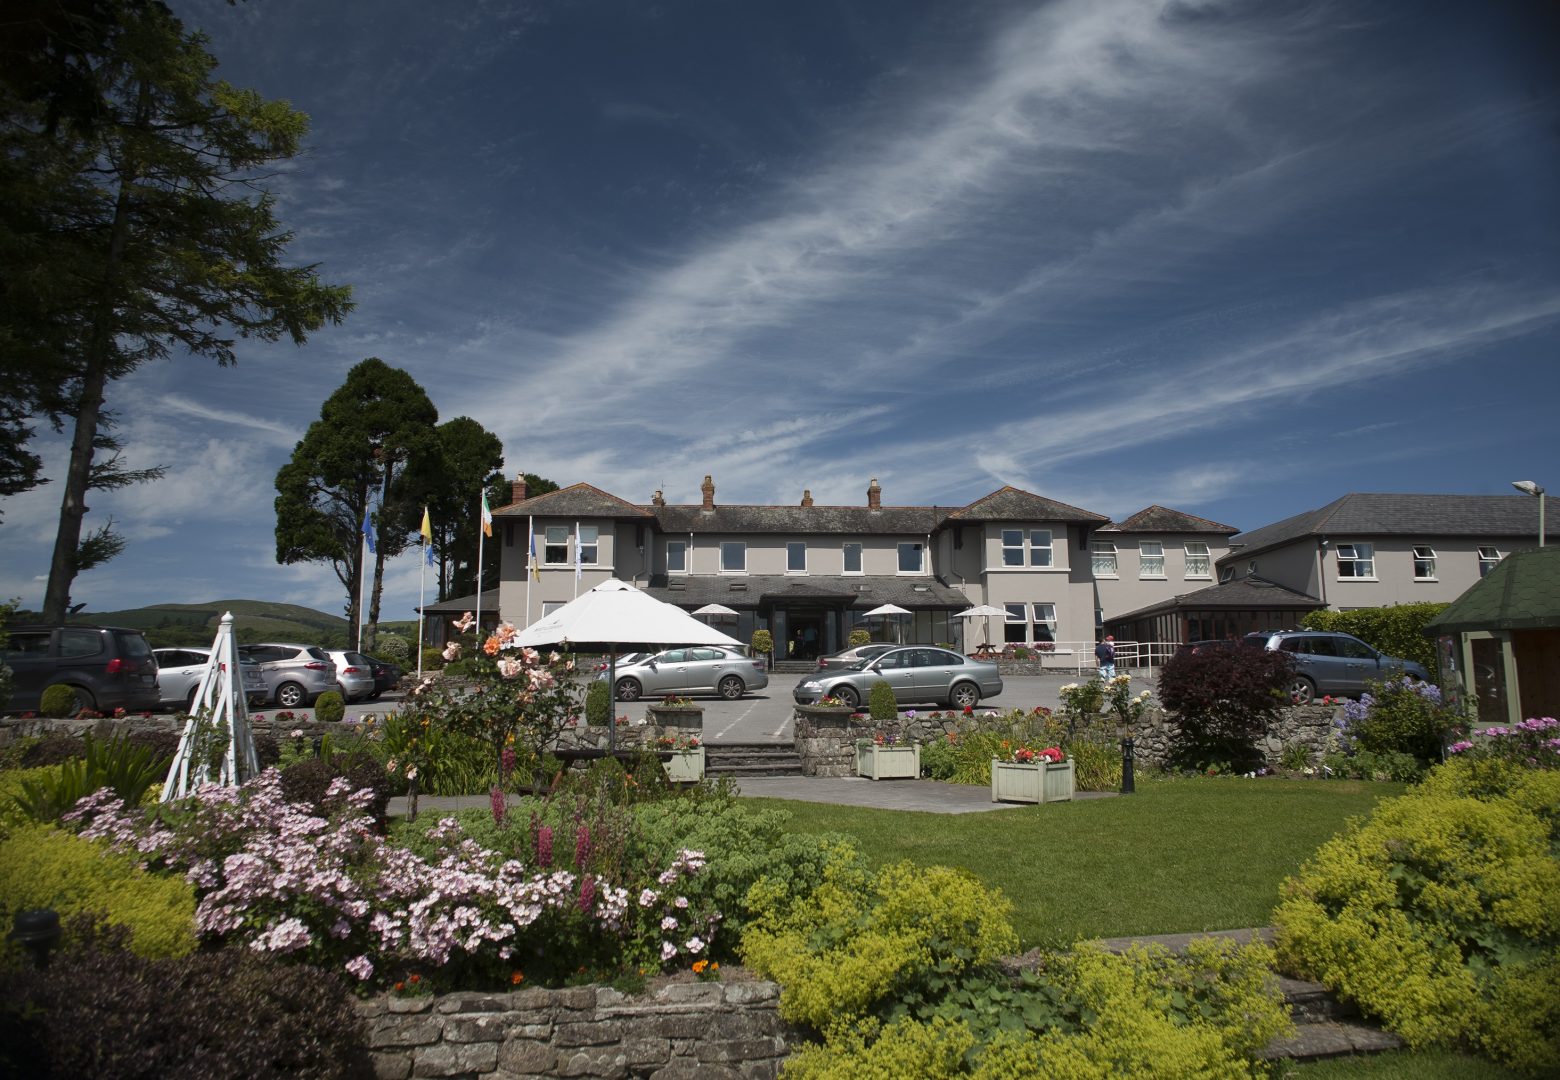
(354, 674)
(294, 674)
(918, 673)
(1327, 662)
(108, 667)
(700, 669)
(387, 675)
(179, 672)
(851, 655)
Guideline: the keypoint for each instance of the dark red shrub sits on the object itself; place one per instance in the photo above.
(1223, 699)
(307, 781)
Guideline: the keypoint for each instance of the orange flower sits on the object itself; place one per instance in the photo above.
(715, 966)
(517, 978)
(490, 646)
(699, 966)
(400, 986)
(415, 979)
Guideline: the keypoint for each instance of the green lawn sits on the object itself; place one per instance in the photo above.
(1180, 855)
(1398, 1065)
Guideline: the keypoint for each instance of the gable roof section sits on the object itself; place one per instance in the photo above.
(1248, 594)
(1427, 516)
(576, 500)
(800, 520)
(1162, 519)
(1522, 593)
(1014, 504)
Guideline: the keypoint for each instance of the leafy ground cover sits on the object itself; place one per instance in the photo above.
(1179, 855)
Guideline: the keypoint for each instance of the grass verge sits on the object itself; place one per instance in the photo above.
(1180, 855)
(1397, 1065)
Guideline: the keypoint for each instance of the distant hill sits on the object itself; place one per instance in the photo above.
(254, 620)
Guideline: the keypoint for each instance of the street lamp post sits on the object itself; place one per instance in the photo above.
(1529, 487)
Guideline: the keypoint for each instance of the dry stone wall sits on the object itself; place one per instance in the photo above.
(728, 1030)
(1311, 726)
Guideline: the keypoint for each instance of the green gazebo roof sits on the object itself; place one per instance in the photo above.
(1522, 593)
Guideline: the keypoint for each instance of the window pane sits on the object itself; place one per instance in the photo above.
(1012, 547)
(80, 643)
(1040, 547)
(733, 556)
(1045, 622)
(556, 549)
(677, 557)
(1104, 559)
(1197, 562)
(796, 556)
(853, 558)
(909, 558)
(1424, 562)
(588, 537)
(1151, 559)
(1015, 612)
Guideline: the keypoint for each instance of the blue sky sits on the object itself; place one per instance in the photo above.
(1233, 258)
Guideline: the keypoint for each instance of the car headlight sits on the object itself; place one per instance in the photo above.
(812, 684)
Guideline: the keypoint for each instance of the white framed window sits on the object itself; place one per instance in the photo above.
(851, 556)
(912, 558)
(1043, 627)
(1151, 559)
(677, 556)
(796, 557)
(1104, 552)
(1015, 627)
(1039, 547)
(1489, 559)
(1198, 565)
(1356, 561)
(1227, 574)
(733, 557)
(1012, 547)
(1424, 562)
(589, 545)
(556, 550)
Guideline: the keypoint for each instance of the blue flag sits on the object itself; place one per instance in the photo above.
(368, 532)
(428, 553)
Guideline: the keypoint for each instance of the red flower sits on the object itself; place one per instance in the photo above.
(969, 710)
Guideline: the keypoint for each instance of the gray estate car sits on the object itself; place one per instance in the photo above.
(698, 669)
(294, 674)
(179, 672)
(918, 673)
(1327, 662)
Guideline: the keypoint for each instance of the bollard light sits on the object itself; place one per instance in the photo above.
(37, 930)
(1127, 784)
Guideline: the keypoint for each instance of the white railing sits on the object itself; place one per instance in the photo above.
(1078, 656)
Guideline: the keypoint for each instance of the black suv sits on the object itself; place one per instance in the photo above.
(108, 667)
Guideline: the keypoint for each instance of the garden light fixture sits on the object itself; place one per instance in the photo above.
(1530, 487)
(38, 931)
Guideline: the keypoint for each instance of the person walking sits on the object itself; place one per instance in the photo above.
(1105, 653)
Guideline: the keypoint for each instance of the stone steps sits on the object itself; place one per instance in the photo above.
(751, 759)
(793, 667)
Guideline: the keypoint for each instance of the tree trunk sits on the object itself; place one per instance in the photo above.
(372, 634)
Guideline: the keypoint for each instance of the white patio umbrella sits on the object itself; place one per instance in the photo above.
(714, 609)
(886, 610)
(614, 614)
(983, 611)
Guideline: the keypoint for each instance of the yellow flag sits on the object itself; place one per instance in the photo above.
(427, 528)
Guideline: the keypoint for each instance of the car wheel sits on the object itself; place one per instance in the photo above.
(732, 687)
(628, 690)
(964, 696)
(83, 700)
(290, 696)
(189, 701)
(1302, 691)
(848, 695)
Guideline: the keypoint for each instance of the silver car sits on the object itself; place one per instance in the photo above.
(354, 674)
(179, 672)
(700, 669)
(917, 673)
(294, 674)
(1329, 662)
(852, 655)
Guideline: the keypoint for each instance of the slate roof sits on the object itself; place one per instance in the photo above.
(576, 500)
(1162, 519)
(1013, 504)
(862, 592)
(1427, 516)
(461, 604)
(845, 520)
(1247, 593)
(1522, 593)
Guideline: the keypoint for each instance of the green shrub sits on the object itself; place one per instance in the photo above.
(45, 867)
(598, 705)
(1437, 914)
(1223, 700)
(329, 708)
(1396, 631)
(860, 938)
(881, 703)
(230, 1014)
(393, 647)
(1401, 716)
(763, 642)
(58, 701)
(857, 638)
(1365, 765)
(127, 769)
(432, 658)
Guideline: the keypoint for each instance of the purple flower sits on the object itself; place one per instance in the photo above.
(582, 846)
(499, 804)
(544, 845)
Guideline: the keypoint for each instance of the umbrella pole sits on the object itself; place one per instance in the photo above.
(612, 698)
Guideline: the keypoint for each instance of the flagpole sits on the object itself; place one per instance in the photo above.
(357, 643)
(422, 579)
(530, 563)
(481, 535)
(576, 560)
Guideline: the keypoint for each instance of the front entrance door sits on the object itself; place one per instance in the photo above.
(806, 635)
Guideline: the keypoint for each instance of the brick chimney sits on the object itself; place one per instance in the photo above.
(874, 495)
(806, 497)
(658, 499)
(708, 487)
(517, 489)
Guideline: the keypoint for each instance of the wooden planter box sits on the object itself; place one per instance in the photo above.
(682, 717)
(889, 762)
(685, 766)
(1032, 782)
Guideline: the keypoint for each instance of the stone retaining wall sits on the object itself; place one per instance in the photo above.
(715, 1030)
(1310, 726)
(826, 738)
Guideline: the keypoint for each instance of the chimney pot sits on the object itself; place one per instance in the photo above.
(708, 488)
(874, 495)
(517, 489)
(658, 499)
(807, 497)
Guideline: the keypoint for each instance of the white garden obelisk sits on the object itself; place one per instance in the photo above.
(218, 725)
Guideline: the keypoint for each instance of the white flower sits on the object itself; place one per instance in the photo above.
(668, 950)
(695, 944)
